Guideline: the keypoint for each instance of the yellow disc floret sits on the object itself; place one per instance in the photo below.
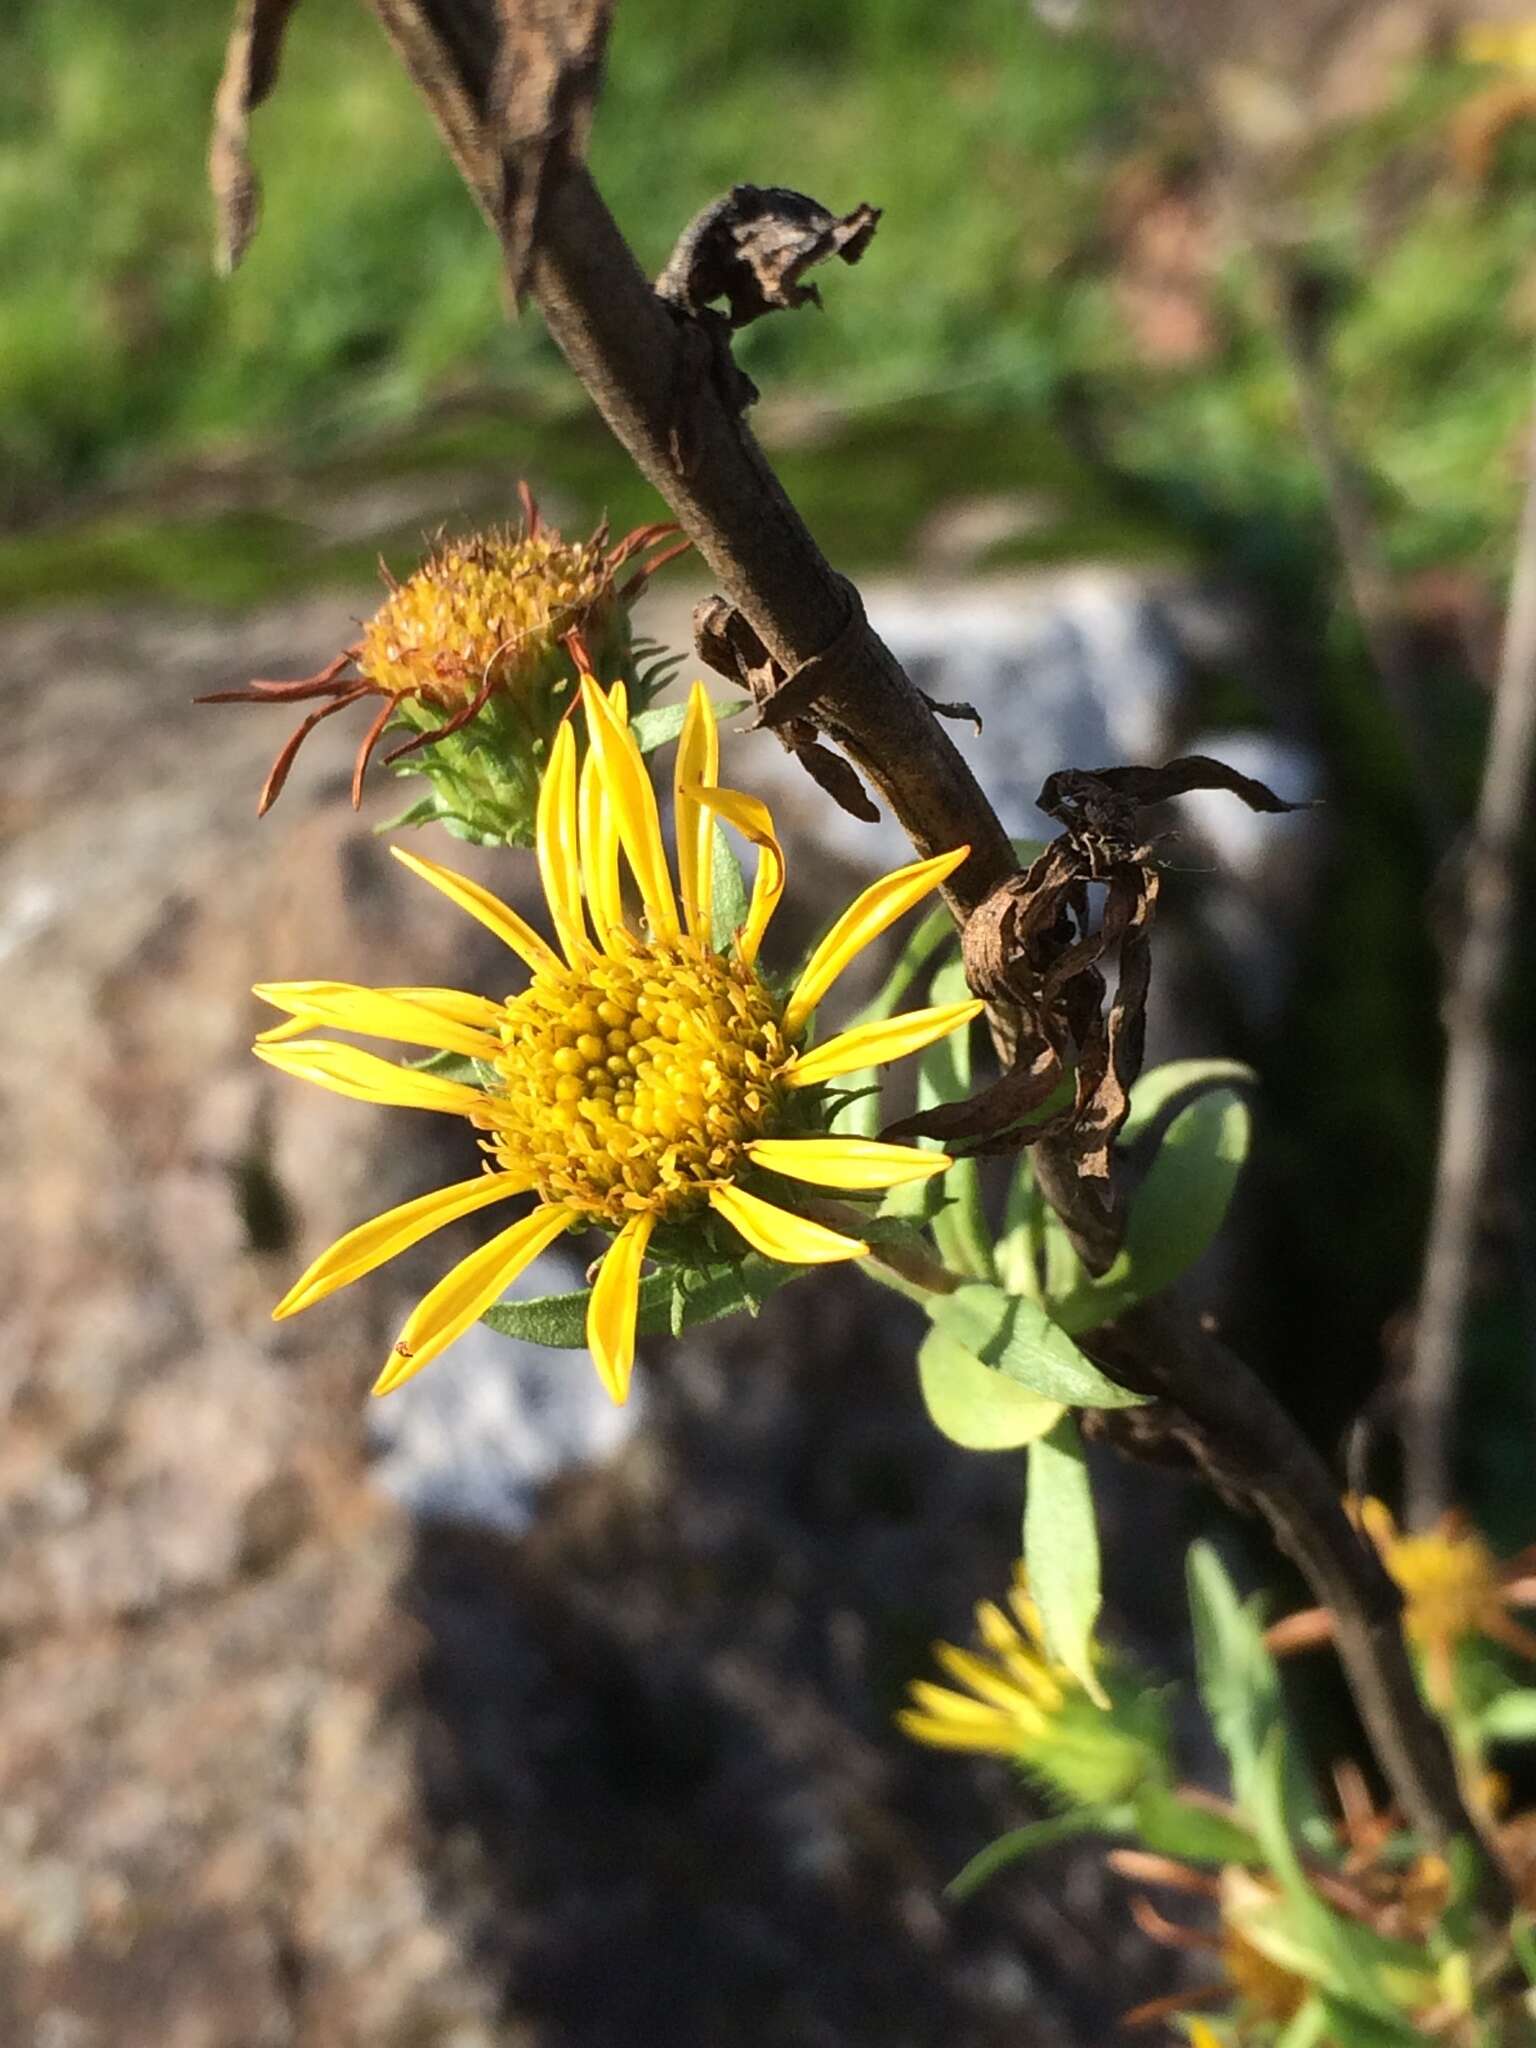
(472, 614)
(637, 1082)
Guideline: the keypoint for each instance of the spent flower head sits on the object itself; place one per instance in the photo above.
(1022, 1703)
(472, 656)
(647, 1081)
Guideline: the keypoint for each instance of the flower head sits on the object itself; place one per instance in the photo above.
(1453, 1586)
(471, 653)
(1021, 1703)
(645, 1078)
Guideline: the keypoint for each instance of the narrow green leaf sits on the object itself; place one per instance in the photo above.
(1061, 1551)
(1019, 1338)
(663, 722)
(1175, 1213)
(729, 911)
(670, 1301)
(1161, 1085)
(1170, 1826)
(1239, 1685)
(1308, 2028)
(1036, 1835)
(1344, 2025)
(1021, 1240)
(973, 1404)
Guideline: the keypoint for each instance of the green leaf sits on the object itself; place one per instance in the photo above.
(1156, 1089)
(1061, 1552)
(973, 1404)
(663, 722)
(1509, 1718)
(1170, 1826)
(1308, 2028)
(952, 1203)
(671, 1300)
(1019, 1338)
(729, 913)
(1239, 1685)
(1346, 2026)
(1021, 1241)
(1175, 1213)
(1036, 1835)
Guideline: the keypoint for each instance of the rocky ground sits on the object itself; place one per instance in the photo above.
(302, 1747)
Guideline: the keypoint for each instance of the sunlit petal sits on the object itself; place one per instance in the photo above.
(871, 1045)
(489, 910)
(754, 821)
(794, 1240)
(462, 1296)
(555, 842)
(698, 767)
(376, 1013)
(348, 1070)
(634, 802)
(614, 1307)
(373, 1243)
(846, 1162)
(600, 856)
(862, 922)
(991, 1736)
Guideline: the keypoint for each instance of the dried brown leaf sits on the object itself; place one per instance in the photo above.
(1078, 795)
(752, 248)
(250, 71)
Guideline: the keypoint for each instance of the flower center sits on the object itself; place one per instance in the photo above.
(635, 1083)
(492, 605)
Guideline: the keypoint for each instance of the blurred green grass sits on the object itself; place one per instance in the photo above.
(965, 356)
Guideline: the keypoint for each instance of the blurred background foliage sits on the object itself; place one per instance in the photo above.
(1071, 296)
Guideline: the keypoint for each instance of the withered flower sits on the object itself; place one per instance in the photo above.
(470, 653)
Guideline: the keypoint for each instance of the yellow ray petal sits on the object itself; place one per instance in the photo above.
(615, 1304)
(377, 1014)
(698, 767)
(348, 1070)
(846, 1162)
(490, 911)
(754, 820)
(994, 1737)
(990, 1684)
(863, 921)
(373, 1243)
(456, 1004)
(634, 803)
(939, 1701)
(778, 1235)
(462, 1296)
(600, 856)
(871, 1045)
(556, 845)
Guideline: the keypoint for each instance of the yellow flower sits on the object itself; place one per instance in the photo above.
(640, 1077)
(1453, 1588)
(1020, 1703)
(475, 638)
(1011, 1697)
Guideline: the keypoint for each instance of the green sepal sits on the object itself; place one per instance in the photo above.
(1018, 1338)
(672, 1300)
